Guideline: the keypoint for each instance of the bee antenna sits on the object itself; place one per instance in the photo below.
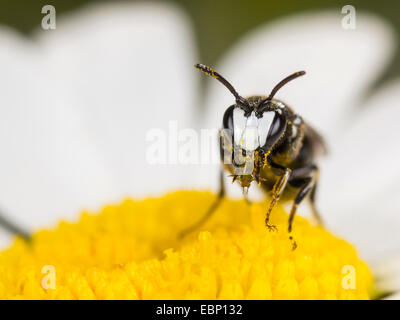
(283, 82)
(209, 71)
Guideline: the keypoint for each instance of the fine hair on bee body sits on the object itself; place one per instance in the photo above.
(263, 140)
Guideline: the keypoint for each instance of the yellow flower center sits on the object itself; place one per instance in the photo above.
(131, 251)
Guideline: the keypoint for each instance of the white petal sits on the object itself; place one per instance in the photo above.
(48, 165)
(132, 73)
(395, 296)
(76, 109)
(387, 276)
(340, 64)
(4, 240)
(359, 183)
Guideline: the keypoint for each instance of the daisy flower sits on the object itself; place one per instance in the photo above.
(81, 106)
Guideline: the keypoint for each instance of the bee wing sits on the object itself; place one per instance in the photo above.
(317, 140)
(78, 103)
(359, 190)
(340, 65)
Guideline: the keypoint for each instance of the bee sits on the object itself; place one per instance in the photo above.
(263, 140)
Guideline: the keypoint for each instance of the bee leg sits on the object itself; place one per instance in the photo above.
(277, 190)
(313, 208)
(308, 185)
(211, 209)
(304, 178)
(13, 228)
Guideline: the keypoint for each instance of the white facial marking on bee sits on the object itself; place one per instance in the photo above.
(239, 123)
(251, 132)
(265, 124)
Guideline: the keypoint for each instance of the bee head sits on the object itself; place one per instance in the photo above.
(260, 128)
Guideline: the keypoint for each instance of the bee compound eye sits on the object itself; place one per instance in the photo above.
(276, 129)
(227, 121)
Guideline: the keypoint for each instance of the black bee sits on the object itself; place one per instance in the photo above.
(265, 141)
